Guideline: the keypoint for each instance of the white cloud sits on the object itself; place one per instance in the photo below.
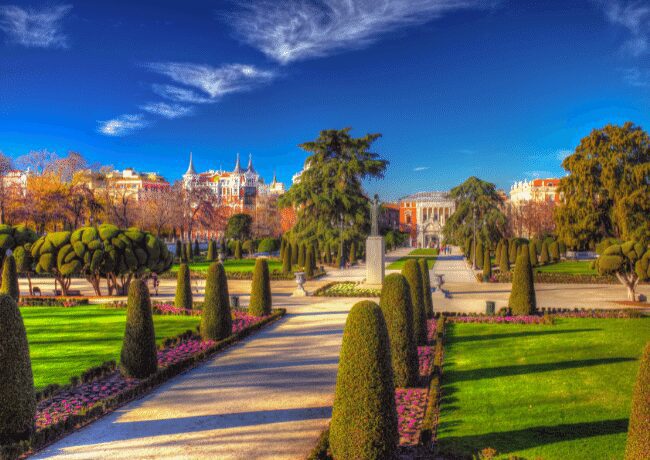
(633, 15)
(166, 110)
(32, 27)
(122, 125)
(178, 94)
(636, 77)
(420, 168)
(213, 81)
(563, 153)
(291, 31)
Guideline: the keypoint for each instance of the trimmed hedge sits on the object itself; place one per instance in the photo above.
(10, 279)
(411, 272)
(504, 259)
(364, 416)
(532, 254)
(260, 301)
(522, 299)
(183, 297)
(487, 265)
(138, 357)
(638, 434)
(286, 260)
(216, 320)
(426, 287)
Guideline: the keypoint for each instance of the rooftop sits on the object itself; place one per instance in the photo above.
(427, 196)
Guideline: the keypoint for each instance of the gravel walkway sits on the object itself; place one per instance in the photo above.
(454, 268)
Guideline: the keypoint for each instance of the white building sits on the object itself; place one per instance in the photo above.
(536, 190)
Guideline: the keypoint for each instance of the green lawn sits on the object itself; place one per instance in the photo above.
(429, 254)
(64, 342)
(551, 392)
(571, 267)
(232, 265)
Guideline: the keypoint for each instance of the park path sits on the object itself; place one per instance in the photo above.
(453, 268)
(268, 397)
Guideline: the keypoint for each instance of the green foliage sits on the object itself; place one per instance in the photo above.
(364, 416)
(189, 254)
(479, 254)
(487, 265)
(239, 227)
(216, 322)
(237, 252)
(532, 254)
(309, 262)
(638, 434)
(249, 247)
(260, 301)
(24, 259)
(139, 357)
(286, 259)
(212, 252)
(294, 253)
(426, 287)
(353, 253)
(544, 256)
(10, 278)
(301, 255)
(411, 272)
(522, 299)
(283, 246)
(497, 253)
(17, 402)
(629, 261)
(512, 251)
(397, 308)
(504, 260)
(183, 298)
(267, 245)
(554, 251)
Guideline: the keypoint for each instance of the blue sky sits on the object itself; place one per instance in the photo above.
(497, 89)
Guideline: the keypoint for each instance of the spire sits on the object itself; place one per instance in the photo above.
(250, 163)
(190, 169)
(275, 180)
(237, 169)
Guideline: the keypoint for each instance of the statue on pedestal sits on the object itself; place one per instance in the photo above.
(374, 216)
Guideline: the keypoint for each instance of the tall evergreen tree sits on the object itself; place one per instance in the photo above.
(522, 299)
(504, 260)
(487, 265)
(10, 278)
(216, 322)
(139, 356)
(286, 259)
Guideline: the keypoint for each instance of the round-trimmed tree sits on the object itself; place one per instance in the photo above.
(138, 357)
(364, 415)
(216, 322)
(17, 401)
(504, 260)
(183, 297)
(260, 302)
(426, 287)
(411, 272)
(522, 299)
(638, 432)
(10, 278)
(396, 305)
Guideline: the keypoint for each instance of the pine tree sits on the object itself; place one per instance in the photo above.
(216, 322)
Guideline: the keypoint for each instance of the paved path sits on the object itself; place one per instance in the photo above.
(358, 272)
(453, 268)
(266, 398)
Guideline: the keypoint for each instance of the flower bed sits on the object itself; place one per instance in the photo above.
(411, 405)
(346, 289)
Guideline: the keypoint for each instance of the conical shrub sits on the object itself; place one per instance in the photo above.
(216, 322)
(522, 299)
(10, 278)
(364, 416)
(189, 255)
(504, 260)
(411, 272)
(237, 253)
(479, 254)
(179, 250)
(638, 432)
(512, 251)
(139, 357)
(260, 303)
(183, 297)
(497, 253)
(286, 259)
(211, 252)
(301, 256)
(426, 287)
(17, 401)
(554, 251)
(544, 256)
(487, 265)
(532, 254)
(309, 262)
(396, 305)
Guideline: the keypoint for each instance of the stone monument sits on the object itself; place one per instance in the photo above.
(374, 248)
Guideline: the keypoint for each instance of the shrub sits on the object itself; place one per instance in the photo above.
(353, 253)
(411, 272)
(286, 259)
(283, 246)
(504, 260)
(211, 251)
(487, 265)
(554, 251)
(396, 305)
(139, 357)
(522, 297)
(638, 433)
(183, 297)
(512, 251)
(237, 251)
(189, 255)
(10, 278)
(301, 256)
(216, 322)
(260, 302)
(543, 255)
(179, 250)
(309, 262)
(426, 287)
(267, 245)
(532, 254)
(364, 416)
(479, 254)
(497, 253)
(197, 249)
(249, 247)
(17, 401)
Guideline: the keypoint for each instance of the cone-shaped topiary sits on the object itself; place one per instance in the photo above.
(183, 297)
(522, 299)
(237, 252)
(497, 253)
(211, 251)
(504, 260)
(411, 272)
(17, 401)
(487, 265)
(301, 256)
(638, 433)
(512, 251)
(309, 262)
(260, 303)
(426, 287)
(189, 255)
(10, 278)
(139, 357)
(179, 250)
(554, 251)
(364, 416)
(397, 308)
(216, 322)
(543, 255)
(286, 259)
(532, 254)
(479, 254)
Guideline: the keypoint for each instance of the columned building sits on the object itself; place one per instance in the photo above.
(423, 216)
(536, 190)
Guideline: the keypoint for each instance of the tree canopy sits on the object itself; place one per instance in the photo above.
(239, 227)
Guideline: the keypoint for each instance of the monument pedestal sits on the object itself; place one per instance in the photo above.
(375, 261)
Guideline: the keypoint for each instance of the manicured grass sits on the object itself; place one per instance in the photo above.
(232, 265)
(429, 254)
(554, 391)
(64, 342)
(571, 267)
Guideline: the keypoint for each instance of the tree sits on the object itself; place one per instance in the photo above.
(411, 272)
(10, 278)
(397, 308)
(211, 256)
(237, 252)
(504, 260)
(286, 260)
(638, 433)
(426, 287)
(479, 254)
(197, 249)
(532, 254)
(301, 255)
(364, 415)
(183, 297)
(260, 301)
(487, 265)
(216, 322)
(249, 247)
(239, 227)
(522, 299)
(628, 261)
(17, 401)
(8, 192)
(309, 262)
(607, 189)
(544, 256)
(139, 356)
(179, 250)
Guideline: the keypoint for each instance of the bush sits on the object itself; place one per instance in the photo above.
(554, 251)
(353, 253)
(364, 416)
(522, 297)
(512, 251)
(411, 272)
(396, 305)
(532, 254)
(249, 247)
(10, 278)
(309, 262)
(638, 433)
(212, 254)
(294, 253)
(197, 249)
(183, 297)
(286, 259)
(179, 250)
(17, 401)
(139, 356)
(426, 287)
(237, 252)
(301, 256)
(189, 255)
(260, 302)
(216, 322)
(267, 245)
(543, 255)
(504, 260)
(487, 265)
(479, 254)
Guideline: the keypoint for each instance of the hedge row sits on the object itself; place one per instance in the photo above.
(431, 415)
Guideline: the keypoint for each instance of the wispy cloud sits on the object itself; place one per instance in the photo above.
(563, 153)
(634, 15)
(636, 77)
(213, 81)
(178, 94)
(33, 27)
(420, 168)
(122, 125)
(166, 110)
(303, 29)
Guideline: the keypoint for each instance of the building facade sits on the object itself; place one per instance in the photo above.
(127, 182)
(423, 216)
(536, 190)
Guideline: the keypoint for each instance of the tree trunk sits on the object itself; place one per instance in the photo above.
(630, 281)
(29, 281)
